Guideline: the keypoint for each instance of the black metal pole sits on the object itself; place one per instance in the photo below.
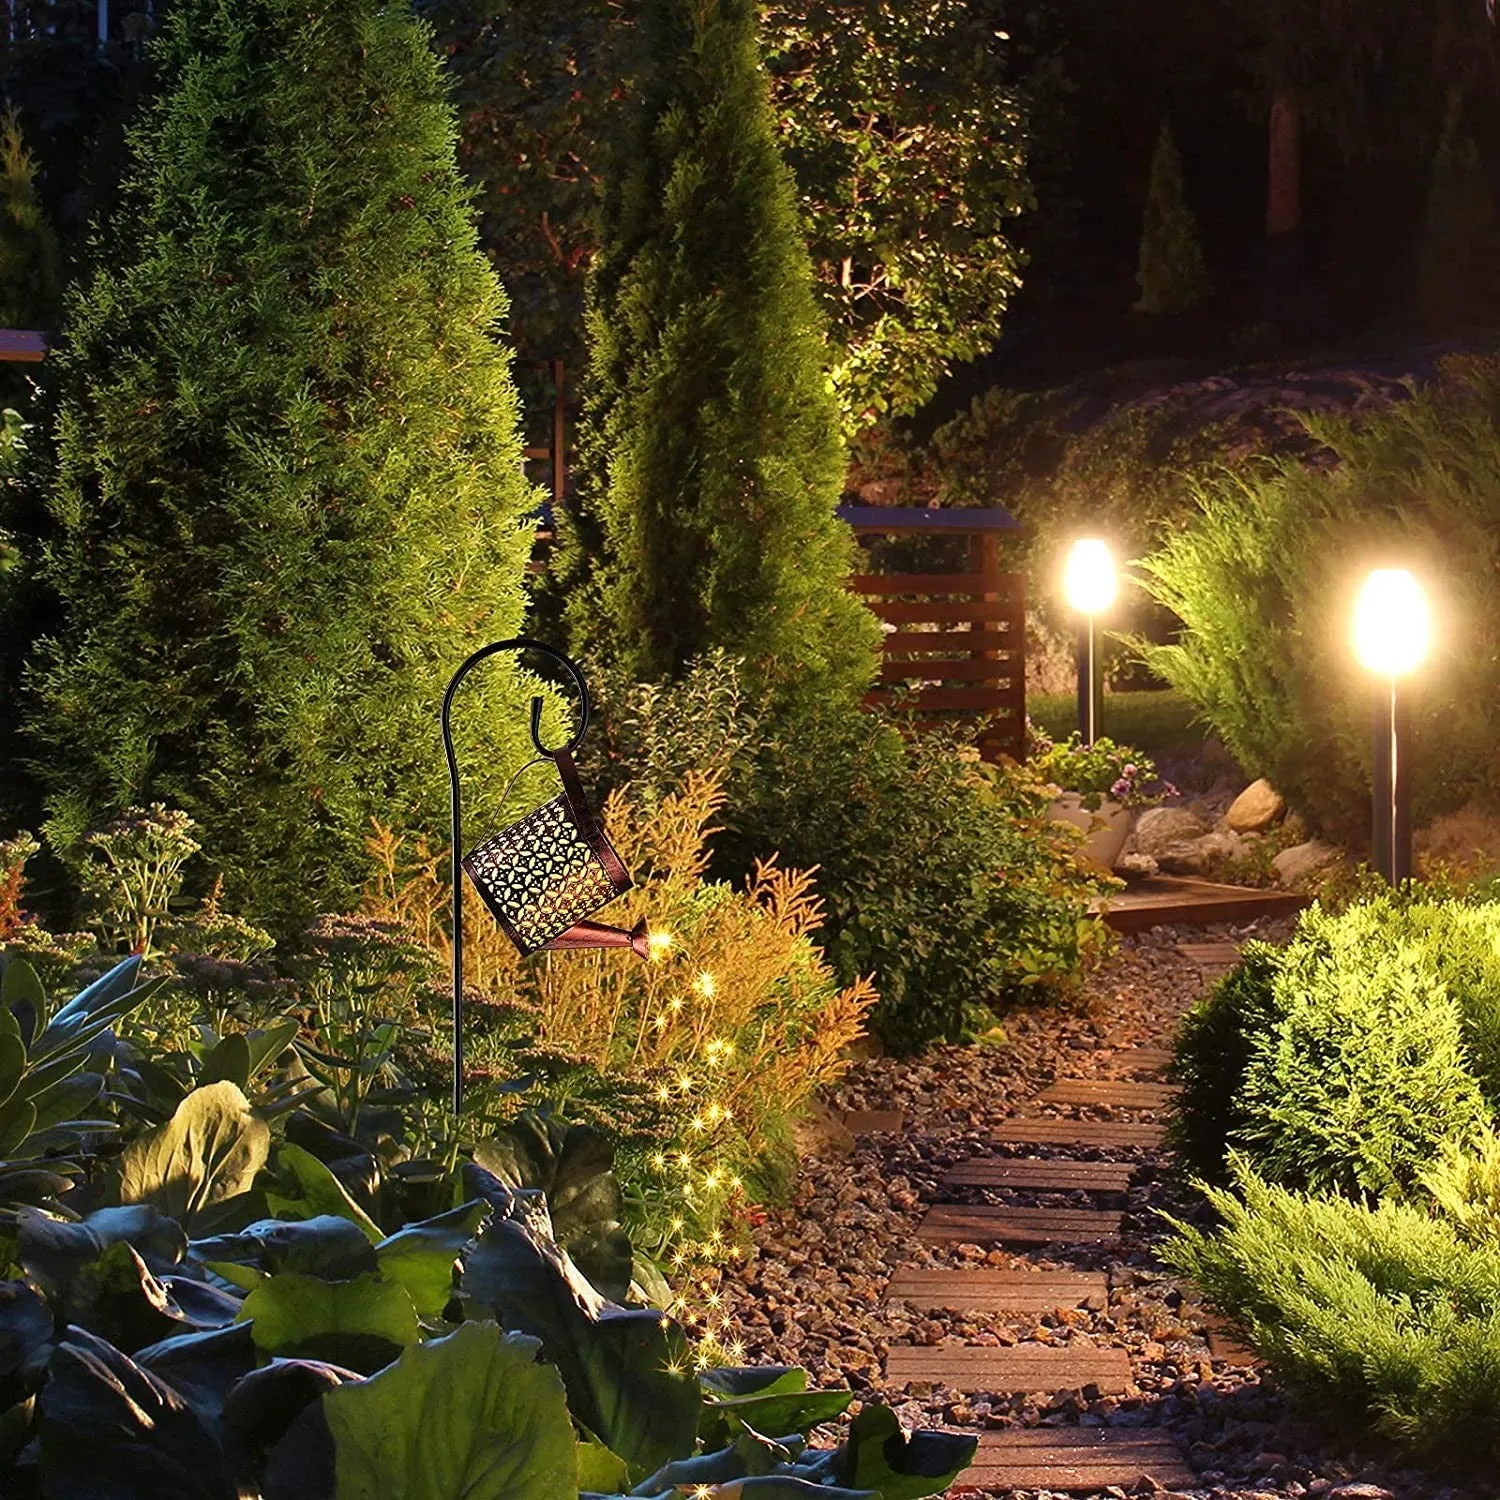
(1089, 695)
(1381, 788)
(1400, 788)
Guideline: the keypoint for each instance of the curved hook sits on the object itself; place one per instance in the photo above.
(516, 643)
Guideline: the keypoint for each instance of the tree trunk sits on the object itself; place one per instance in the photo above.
(1283, 262)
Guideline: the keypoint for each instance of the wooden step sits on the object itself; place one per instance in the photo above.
(1109, 1093)
(874, 1121)
(1181, 902)
(1105, 1134)
(988, 1290)
(1213, 958)
(1081, 1459)
(1139, 1060)
(1222, 1344)
(983, 1224)
(1023, 1368)
(1057, 1176)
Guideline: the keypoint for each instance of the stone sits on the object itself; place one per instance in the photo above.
(1256, 808)
(1295, 864)
(1198, 856)
(820, 1132)
(1136, 864)
(1360, 1491)
(1159, 827)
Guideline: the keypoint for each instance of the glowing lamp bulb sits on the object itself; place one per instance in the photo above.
(1392, 623)
(658, 943)
(1089, 580)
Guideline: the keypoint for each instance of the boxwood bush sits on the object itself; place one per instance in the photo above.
(1344, 1059)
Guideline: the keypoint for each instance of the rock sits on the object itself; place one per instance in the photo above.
(1159, 827)
(1257, 807)
(1195, 856)
(1297, 863)
(1136, 864)
(1360, 1491)
(820, 1132)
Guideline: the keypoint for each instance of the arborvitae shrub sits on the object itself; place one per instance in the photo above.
(289, 496)
(1461, 237)
(30, 262)
(1343, 1060)
(1171, 273)
(712, 461)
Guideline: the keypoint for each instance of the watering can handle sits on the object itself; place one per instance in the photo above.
(561, 756)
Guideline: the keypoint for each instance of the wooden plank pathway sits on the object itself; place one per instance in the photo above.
(1138, 1060)
(998, 1370)
(873, 1121)
(1110, 1093)
(1214, 959)
(932, 1288)
(982, 1224)
(1079, 1459)
(1055, 1176)
(1181, 902)
(1105, 1134)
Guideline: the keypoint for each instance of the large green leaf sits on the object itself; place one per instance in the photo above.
(318, 1191)
(326, 1246)
(422, 1256)
(769, 1398)
(25, 1341)
(362, 1323)
(209, 1150)
(572, 1164)
(878, 1455)
(111, 1430)
(54, 1251)
(472, 1414)
(627, 1371)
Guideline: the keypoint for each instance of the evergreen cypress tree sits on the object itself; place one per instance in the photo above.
(1171, 273)
(1461, 237)
(30, 264)
(289, 495)
(711, 449)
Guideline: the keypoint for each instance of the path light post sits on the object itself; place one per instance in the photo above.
(1392, 633)
(1090, 584)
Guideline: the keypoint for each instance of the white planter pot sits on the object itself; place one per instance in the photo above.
(1107, 828)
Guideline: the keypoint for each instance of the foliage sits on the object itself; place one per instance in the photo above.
(903, 125)
(30, 261)
(1265, 656)
(1171, 273)
(1343, 1060)
(1103, 769)
(942, 876)
(1464, 1184)
(289, 494)
(710, 450)
(1381, 1315)
(1461, 234)
(728, 1030)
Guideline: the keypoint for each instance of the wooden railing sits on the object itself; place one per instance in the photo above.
(956, 642)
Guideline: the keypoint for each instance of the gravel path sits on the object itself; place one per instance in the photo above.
(810, 1291)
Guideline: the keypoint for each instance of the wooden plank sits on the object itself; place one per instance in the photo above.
(984, 1223)
(1180, 902)
(998, 1290)
(1053, 1132)
(22, 346)
(1140, 1060)
(1024, 1367)
(902, 642)
(938, 610)
(1222, 1344)
(1080, 1459)
(970, 669)
(1058, 1175)
(1111, 1093)
(873, 1121)
(1007, 584)
(1010, 695)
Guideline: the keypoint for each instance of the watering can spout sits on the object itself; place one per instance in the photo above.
(596, 935)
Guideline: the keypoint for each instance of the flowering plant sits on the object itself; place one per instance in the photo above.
(1098, 771)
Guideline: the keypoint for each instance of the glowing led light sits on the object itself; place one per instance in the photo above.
(676, 1226)
(657, 943)
(698, 1122)
(1089, 579)
(660, 1020)
(706, 985)
(659, 1160)
(1392, 623)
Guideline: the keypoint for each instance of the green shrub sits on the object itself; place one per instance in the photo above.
(710, 448)
(1344, 1059)
(1264, 575)
(1381, 1315)
(289, 496)
(1171, 273)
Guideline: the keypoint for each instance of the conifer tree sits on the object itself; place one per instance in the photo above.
(1456, 274)
(1171, 273)
(711, 449)
(30, 264)
(289, 495)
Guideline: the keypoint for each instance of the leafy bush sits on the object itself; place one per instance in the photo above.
(1383, 1315)
(711, 458)
(729, 1028)
(289, 493)
(1343, 1060)
(1263, 578)
(1103, 769)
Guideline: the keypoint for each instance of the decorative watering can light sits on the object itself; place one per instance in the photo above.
(544, 876)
